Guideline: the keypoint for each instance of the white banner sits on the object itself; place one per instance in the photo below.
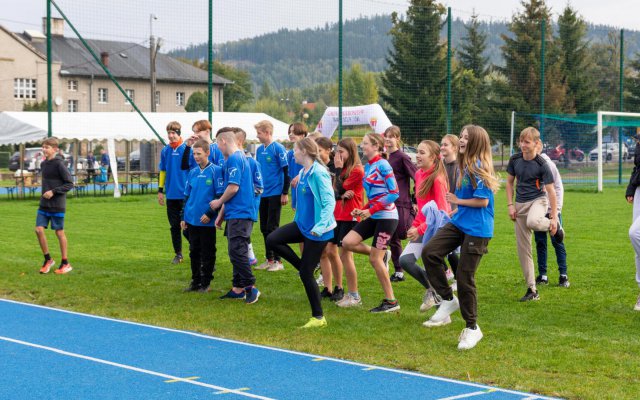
(371, 115)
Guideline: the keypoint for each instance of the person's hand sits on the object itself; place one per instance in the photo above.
(294, 181)
(215, 204)
(192, 139)
(451, 198)
(553, 226)
(205, 219)
(348, 194)
(48, 194)
(412, 233)
(512, 212)
(161, 199)
(183, 225)
(284, 199)
(630, 199)
(337, 161)
(218, 222)
(314, 234)
(452, 213)
(364, 214)
(415, 209)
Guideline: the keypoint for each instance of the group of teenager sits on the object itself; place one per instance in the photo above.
(210, 182)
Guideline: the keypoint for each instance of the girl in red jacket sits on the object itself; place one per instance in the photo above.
(431, 184)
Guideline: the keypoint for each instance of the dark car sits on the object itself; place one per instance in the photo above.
(29, 153)
(134, 161)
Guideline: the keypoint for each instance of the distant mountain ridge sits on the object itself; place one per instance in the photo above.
(303, 58)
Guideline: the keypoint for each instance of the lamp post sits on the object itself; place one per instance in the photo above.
(153, 52)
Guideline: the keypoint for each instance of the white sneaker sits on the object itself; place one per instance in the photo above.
(454, 286)
(349, 301)
(441, 317)
(320, 280)
(276, 266)
(264, 265)
(637, 306)
(469, 338)
(386, 259)
(429, 300)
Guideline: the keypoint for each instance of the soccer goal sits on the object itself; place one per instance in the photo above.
(590, 150)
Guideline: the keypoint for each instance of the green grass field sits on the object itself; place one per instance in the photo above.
(580, 342)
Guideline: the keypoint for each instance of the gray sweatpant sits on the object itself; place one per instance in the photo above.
(634, 232)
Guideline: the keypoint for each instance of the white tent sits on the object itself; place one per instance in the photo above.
(24, 127)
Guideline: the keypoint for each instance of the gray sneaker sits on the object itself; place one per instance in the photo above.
(429, 300)
(349, 301)
(276, 266)
(177, 259)
(264, 265)
(442, 316)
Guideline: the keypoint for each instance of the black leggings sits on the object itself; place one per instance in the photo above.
(174, 209)
(278, 240)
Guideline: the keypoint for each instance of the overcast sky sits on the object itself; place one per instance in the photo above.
(185, 21)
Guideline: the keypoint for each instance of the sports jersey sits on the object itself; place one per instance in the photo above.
(381, 188)
(316, 203)
(238, 172)
(170, 162)
(294, 168)
(258, 185)
(531, 177)
(474, 221)
(202, 186)
(215, 157)
(272, 160)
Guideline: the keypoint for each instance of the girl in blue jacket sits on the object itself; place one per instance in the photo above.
(312, 225)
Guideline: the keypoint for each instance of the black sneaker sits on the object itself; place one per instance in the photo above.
(204, 289)
(559, 236)
(386, 306)
(325, 294)
(397, 277)
(177, 259)
(542, 280)
(563, 281)
(338, 294)
(530, 295)
(193, 287)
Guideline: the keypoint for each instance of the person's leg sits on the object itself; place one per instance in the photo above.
(473, 248)
(264, 218)
(310, 257)
(523, 241)
(445, 240)
(537, 219)
(207, 255)
(541, 249)
(409, 262)
(42, 239)
(395, 244)
(279, 240)
(273, 222)
(195, 248)
(173, 214)
(336, 263)
(384, 230)
(561, 252)
(353, 241)
(327, 273)
(634, 232)
(453, 260)
(238, 233)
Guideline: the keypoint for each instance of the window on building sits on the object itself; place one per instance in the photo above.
(24, 88)
(72, 106)
(180, 98)
(103, 95)
(72, 85)
(131, 93)
(158, 98)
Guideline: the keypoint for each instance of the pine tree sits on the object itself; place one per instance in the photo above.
(474, 44)
(577, 65)
(523, 57)
(413, 86)
(632, 84)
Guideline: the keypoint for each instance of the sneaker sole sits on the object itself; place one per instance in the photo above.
(393, 309)
(424, 307)
(433, 324)
(62, 273)
(254, 301)
(48, 269)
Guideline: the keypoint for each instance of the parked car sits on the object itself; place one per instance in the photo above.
(561, 154)
(610, 151)
(29, 153)
(411, 152)
(134, 161)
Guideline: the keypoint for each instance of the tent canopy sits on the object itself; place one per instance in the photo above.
(24, 127)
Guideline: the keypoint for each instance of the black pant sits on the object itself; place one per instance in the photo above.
(290, 233)
(202, 251)
(174, 209)
(238, 234)
(447, 239)
(405, 219)
(270, 208)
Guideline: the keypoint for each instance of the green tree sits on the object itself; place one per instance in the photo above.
(413, 85)
(240, 92)
(577, 66)
(607, 71)
(465, 106)
(523, 56)
(474, 44)
(359, 87)
(265, 91)
(35, 106)
(632, 84)
(271, 107)
(198, 101)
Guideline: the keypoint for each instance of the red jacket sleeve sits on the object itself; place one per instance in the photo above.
(354, 181)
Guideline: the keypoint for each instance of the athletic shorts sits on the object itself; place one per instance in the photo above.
(57, 220)
(341, 231)
(381, 229)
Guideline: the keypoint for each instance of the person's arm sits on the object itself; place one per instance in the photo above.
(228, 194)
(509, 189)
(184, 165)
(392, 191)
(323, 189)
(67, 180)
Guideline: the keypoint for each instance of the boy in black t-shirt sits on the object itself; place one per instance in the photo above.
(530, 209)
(56, 182)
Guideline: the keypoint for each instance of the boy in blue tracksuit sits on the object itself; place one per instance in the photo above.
(204, 184)
(201, 131)
(171, 185)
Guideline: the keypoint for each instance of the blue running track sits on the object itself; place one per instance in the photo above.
(47, 353)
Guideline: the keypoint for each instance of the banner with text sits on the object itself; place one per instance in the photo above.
(371, 115)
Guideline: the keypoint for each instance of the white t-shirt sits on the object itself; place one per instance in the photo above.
(557, 181)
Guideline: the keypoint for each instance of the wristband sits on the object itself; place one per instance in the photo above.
(160, 190)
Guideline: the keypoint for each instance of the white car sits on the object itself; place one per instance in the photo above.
(610, 151)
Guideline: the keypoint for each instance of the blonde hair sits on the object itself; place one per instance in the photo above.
(530, 132)
(476, 161)
(376, 139)
(265, 126)
(438, 169)
(453, 139)
(174, 126)
(52, 141)
(310, 147)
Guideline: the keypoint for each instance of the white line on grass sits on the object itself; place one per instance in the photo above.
(466, 395)
(136, 369)
(259, 346)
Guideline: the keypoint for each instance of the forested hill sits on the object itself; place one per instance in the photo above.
(302, 58)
